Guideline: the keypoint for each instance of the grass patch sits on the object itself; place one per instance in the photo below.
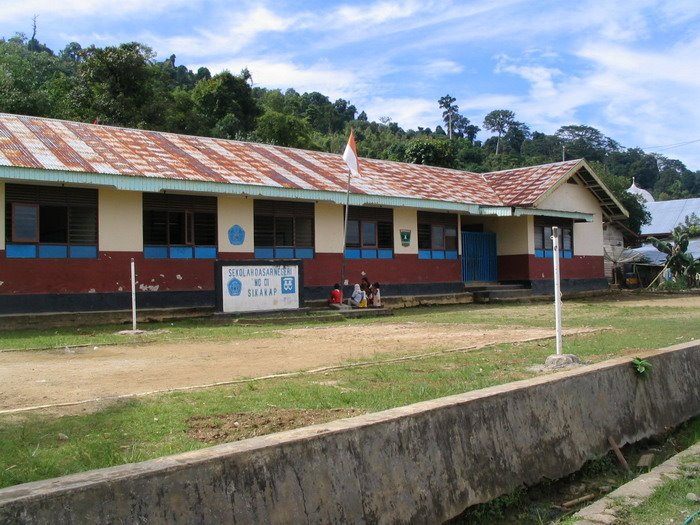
(39, 445)
(187, 330)
(669, 504)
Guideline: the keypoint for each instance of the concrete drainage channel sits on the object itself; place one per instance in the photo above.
(423, 463)
(606, 510)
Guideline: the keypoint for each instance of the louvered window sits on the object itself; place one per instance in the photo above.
(370, 233)
(437, 235)
(543, 237)
(283, 229)
(179, 226)
(50, 221)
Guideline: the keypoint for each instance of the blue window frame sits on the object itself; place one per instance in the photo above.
(179, 226)
(283, 229)
(437, 236)
(370, 233)
(543, 238)
(50, 222)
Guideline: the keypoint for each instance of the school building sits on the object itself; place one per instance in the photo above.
(82, 200)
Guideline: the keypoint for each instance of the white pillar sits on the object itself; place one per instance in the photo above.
(557, 286)
(133, 294)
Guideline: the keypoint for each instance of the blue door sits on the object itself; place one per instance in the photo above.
(479, 257)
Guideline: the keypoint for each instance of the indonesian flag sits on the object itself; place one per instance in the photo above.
(350, 155)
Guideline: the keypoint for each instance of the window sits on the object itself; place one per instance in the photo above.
(370, 233)
(543, 237)
(179, 226)
(283, 230)
(50, 222)
(437, 235)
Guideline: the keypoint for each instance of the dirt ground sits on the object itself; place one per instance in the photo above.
(40, 378)
(654, 300)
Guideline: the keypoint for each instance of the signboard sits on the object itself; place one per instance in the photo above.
(405, 237)
(259, 286)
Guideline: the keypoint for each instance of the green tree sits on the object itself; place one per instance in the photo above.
(499, 121)
(638, 214)
(118, 85)
(585, 142)
(283, 130)
(546, 148)
(450, 113)
(432, 152)
(31, 82)
(226, 104)
(515, 137)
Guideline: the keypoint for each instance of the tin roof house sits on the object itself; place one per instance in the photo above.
(82, 200)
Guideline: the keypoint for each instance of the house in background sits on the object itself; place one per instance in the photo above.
(82, 200)
(665, 215)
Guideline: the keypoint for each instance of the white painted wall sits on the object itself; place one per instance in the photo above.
(405, 219)
(329, 222)
(120, 220)
(235, 210)
(588, 236)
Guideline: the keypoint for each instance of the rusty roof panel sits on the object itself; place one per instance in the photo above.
(34, 142)
(523, 186)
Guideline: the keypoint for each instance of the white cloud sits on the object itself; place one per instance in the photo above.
(374, 14)
(408, 112)
(441, 67)
(232, 32)
(540, 77)
(635, 95)
(321, 76)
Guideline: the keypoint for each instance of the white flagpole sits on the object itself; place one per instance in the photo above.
(557, 286)
(345, 233)
(133, 295)
(350, 158)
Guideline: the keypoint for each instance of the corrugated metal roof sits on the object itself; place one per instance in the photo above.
(666, 215)
(657, 258)
(32, 142)
(150, 156)
(523, 186)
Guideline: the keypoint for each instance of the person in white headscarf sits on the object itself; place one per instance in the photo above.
(358, 299)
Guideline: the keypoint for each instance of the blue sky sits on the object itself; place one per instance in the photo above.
(630, 68)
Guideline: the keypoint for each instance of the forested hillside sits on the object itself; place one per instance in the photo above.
(128, 86)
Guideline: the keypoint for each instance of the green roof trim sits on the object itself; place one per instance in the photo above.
(158, 184)
(575, 215)
(498, 211)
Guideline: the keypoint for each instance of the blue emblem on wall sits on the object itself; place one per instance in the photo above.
(236, 235)
(234, 287)
(288, 285)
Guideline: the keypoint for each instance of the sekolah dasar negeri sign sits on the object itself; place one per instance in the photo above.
(258, 286)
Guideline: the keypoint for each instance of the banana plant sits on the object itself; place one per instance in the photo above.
(678, 260)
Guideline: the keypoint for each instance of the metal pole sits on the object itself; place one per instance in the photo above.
(133, 295)
(557, 286)
(345, 234)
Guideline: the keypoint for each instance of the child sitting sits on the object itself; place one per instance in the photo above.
(376, 296)
(336, 295)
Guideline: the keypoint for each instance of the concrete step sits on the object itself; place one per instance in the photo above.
(479, 287)
(494, 295)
